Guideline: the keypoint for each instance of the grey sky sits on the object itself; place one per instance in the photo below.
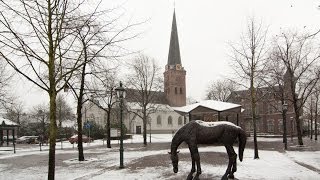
(205, 27)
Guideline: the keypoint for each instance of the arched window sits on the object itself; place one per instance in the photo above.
(181, 92)
(176, 90)
(169, 120)
(280, 125)
(159, 120)
(180, 120)
(270, 126)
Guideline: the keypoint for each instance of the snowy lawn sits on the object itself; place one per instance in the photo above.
(103, 163)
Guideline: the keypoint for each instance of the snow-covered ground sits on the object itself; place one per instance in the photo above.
(104, 165)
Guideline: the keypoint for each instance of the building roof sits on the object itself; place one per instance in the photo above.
(174, 50)
(210, 104)
(7, 123)
(156, 97)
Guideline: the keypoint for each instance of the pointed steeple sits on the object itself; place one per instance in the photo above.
(174, 50)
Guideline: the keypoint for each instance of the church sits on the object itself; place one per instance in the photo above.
(165, 119)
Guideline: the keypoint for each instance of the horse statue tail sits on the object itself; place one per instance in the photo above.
(242, 143)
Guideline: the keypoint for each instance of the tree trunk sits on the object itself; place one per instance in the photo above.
(108, 127)
(254, 118)
(316, 120)
(297, 114)
(79, 123)
(52, 94)
(52, 135)
(144, 127)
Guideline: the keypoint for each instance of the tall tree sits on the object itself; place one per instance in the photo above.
(104, 96)
(220, 90)
(5, 78)
(146, 83)
(316, 114)
(300, 58)
(276, 80)
(42, 51)
(249, 63)
(100, 41)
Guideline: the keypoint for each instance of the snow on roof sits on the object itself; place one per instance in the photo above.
(210, 104)
(7, 122)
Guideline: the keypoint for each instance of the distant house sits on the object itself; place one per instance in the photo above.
(268, 110)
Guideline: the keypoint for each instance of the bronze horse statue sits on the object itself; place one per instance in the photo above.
(200, 132)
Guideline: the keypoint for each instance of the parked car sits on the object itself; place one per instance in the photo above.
(27, 140)
(74, 139)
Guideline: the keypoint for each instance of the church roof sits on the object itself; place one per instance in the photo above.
(174, 50)
(156, 97)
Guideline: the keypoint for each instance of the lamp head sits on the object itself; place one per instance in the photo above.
(121, 92)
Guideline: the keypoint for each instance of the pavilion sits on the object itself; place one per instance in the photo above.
(7, 126)
(211, 110)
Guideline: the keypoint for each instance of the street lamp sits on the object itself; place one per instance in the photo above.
(284, 115)
(121, 94)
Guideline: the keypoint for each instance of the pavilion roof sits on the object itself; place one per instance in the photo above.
(218, 106)
(7, 123)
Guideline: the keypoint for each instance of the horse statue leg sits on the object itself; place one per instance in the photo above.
(232, 163)
(193, 169)
(195, 159)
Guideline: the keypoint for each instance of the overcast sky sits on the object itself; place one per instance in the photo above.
(205, 27)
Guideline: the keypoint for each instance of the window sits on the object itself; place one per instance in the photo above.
(180, 120)
(169, 120)
(181, 92)
(270, 126)
(159, 120)
(176, 90)
(280, 125)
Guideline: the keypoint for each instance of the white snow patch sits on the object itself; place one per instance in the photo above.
(216, 123)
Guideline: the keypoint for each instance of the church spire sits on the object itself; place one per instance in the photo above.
(174, 50)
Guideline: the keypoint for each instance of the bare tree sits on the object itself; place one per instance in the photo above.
(104, 96)
(14, 112)
(5, 79)
(99, 42)
(220, 90)
(146, 83)
(300, 58)
(249, 57)
(317, 96)
(37, 40)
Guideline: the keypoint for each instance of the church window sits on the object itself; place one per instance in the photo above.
(180, 120)
(181, 91)
(159, 120)
(176, 90)
(280, 125)
(169, 120)
(270, 126)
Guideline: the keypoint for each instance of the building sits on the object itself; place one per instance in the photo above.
(164, 119)
(268, 109)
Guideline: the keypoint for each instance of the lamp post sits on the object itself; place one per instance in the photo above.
(284, 111)
(121, 94)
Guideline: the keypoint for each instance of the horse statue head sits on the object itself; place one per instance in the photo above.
(175, 160)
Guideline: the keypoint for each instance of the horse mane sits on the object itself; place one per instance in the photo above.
(178, 138)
